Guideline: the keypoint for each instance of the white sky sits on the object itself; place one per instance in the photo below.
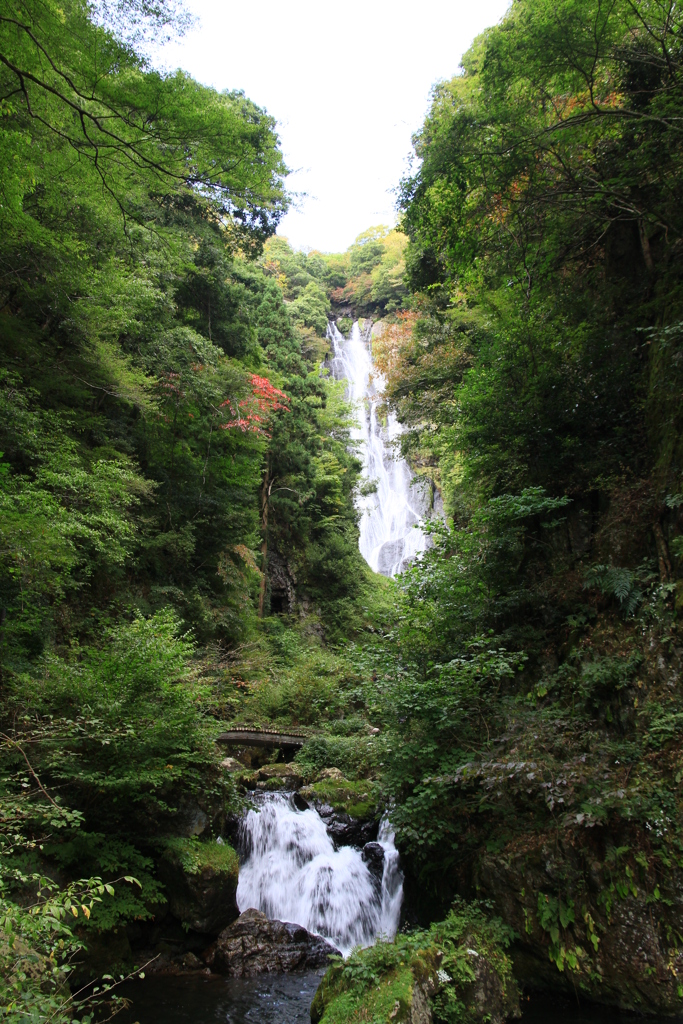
(348, 84)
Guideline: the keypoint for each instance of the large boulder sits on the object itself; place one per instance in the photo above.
(255, 945)
(201, 883)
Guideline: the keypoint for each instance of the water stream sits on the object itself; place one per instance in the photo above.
(389, 534)
(292, 872)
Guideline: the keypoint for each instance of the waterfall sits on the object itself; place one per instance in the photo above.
(389, 535)
(292, 872)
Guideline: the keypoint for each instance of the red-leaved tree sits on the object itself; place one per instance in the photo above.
(252, 413)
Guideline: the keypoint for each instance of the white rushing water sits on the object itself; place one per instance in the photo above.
(292, 872)
(389, 535)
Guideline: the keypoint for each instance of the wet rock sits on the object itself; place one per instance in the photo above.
(255, 945)
(201, 883)
(299, 802)
(345, 830)
(231, 764)
(632, 967)
(373, 855)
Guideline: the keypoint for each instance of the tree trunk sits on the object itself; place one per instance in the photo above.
(662, 553)
(265, 495)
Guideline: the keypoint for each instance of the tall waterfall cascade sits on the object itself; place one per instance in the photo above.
(291, 871)
(389, 533)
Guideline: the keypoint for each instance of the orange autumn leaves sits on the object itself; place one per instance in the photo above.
(250, 415)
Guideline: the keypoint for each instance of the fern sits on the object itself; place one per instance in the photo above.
(623, 584)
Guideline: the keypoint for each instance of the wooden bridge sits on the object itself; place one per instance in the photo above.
(242, 736)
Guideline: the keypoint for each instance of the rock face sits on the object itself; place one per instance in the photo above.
(255, 945)
(630, 965)
(201, 883)
(282, 581)
(420, 1011)
(373, 855)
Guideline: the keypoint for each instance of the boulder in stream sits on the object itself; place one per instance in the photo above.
(255, 945)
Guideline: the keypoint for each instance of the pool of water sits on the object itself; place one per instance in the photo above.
(265, 999)
(563, 1009)
(286, 999)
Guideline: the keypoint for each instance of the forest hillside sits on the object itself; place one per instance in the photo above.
(179, 524)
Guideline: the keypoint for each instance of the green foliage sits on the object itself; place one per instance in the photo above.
(310, 308)
(535, 372)
(115, 858)
(37, 941)
(555, 916)
(369, 277)
(132, 125)
(548, 281)
(37, 948)
(115, 730)
(110, 721)
(193, 856)
(150, 495)
(354, 756)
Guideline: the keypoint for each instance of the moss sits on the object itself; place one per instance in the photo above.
(194, 856)
(389, 1001)
(358, 799)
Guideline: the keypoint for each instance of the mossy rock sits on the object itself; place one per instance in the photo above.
(456, 970)
(26, 972)
(201, 883)
(357, 799)
(390, 1001)
(272, 778)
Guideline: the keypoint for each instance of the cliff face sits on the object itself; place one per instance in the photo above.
(567, 817)
(614, 941)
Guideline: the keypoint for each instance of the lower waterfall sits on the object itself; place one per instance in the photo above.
(291, 871)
